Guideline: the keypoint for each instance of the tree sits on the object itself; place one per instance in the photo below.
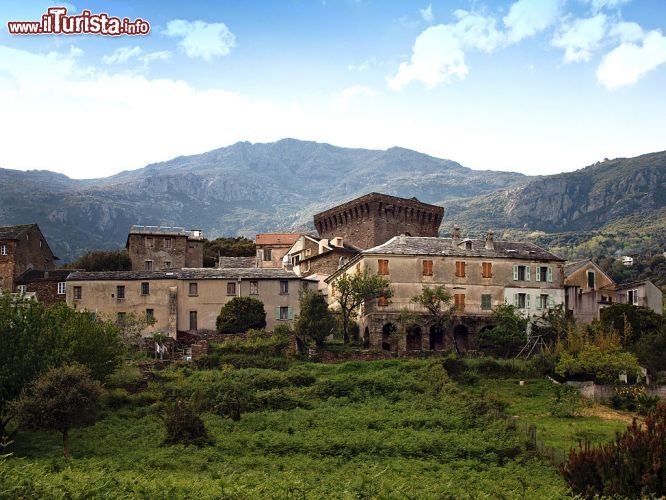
(103, 260)
(315, 321)
(436, 303)
(34, 338)
(131, 328)
(552, 325)
(352, 290)
(508, 335)
(61, 399)
(241, 314)
(630, 318)
(227, 247)
(183, 424)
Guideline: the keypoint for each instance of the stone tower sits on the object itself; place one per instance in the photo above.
(375, 218)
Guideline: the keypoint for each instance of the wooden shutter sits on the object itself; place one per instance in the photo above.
(291, 313)
(427, 268)
(277, 313)
(515, 273)
(527, 301)
(486, 269)
(527, 273)
(538, 273)
(549, 273)
(460, 269)
(515, 299)
(382, 267)
(551, 301)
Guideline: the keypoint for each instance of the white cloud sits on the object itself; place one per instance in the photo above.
(598, 5)
(627, 32)
(427, 14)
(202, 39)
(528, 17)
(581, 38)
(341, 100)
(625, 64)
(438, 55)
(122, 55)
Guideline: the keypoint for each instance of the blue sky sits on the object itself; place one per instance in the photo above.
(536, 86)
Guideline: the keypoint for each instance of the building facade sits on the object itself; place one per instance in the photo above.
(478, 274)
(48, 287)
(156, 248)
(375, 218)
(588, 290)
(272, 247)
(22, 248)
(642, 293)
(185, 299)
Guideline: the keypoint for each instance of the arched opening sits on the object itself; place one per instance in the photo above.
(387, 331)
(366, 338)
(436, 338)
(414, 338)
(461, 336)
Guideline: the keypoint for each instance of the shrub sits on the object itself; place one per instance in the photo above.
(183, 425)
(567, 402)
(632, 466)
(315, 322)
(634, 398)
(241, 314)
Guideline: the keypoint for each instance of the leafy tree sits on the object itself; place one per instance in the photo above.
(131, 328)
(352, 290)
(61, 399)
(34, 338)
(552, 325)
(103, 260)
(630, 318)
(241, 314)
(436, 302)
(227, 247)
(183, 424)
(315, 321)
(508, 335)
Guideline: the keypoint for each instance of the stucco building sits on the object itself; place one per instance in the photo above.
(22, 248)
(156, 248)
(642, 293)
(588, 290)
(185, 299)
(478, 274)
(375, 218)
(272, 247)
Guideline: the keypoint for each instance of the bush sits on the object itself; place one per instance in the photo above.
(241, 314)
(567, 402)
(183, 425)
(634, 398)
(632, 466)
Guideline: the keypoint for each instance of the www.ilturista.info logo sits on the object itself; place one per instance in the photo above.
(57, 22)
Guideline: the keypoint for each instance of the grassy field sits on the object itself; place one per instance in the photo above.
(383, 429)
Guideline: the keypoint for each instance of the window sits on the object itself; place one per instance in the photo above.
(632, 297)
(231, 288)
(308, 252)
(544, 273)
(62, 286)
(267, 254)
(22, 289)
(382, 267)
(254, 288)
(521, 273)
(460, 269)
(382, 301)
(149, 242)
(521, 300)
(284, 287)
(459, 301)
(486, 269)
(120, 292)
(486, 302)
(194, 289)
(544, 301)
(77, 293)
(167, 264)
(167, 243)
(120, 318)
(590, 279)
(427, 268)
(284, 313)
(193, 321)
(148, 265)
(3, 249)
(145, 288)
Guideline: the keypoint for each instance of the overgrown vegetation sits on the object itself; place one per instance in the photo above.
(238, 246)
(102, 260)
(241, 314)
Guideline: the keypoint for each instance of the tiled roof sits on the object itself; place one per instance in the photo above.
(204, 273)
(415, 245)
(227, 262)
(33, 275)
(13, 232)
(194, 234)
(572, 267)
(276, 238)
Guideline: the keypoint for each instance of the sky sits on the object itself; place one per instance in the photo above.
(533, 86)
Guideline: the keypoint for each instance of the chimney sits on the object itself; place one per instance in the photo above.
(402, 239)
(490, 241)
(336, 242)
(455, 235)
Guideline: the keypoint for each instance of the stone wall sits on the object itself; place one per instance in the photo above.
(182, 253)
(597, 392)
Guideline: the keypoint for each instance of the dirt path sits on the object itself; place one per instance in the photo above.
(606, 413)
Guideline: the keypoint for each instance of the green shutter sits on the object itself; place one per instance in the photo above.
(527, 273)
(291, 313)
(551, 301)
(538, 273)
(550, 274)
(515, 299)
(527, 301)
(538, 302)
(277, 313)
(515, 272)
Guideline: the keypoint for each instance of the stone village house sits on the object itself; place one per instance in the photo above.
(478, 274)
(185, 299)
(156, 248)
(22, 248)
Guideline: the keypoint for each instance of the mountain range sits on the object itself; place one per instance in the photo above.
(247, 188)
